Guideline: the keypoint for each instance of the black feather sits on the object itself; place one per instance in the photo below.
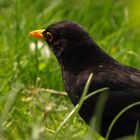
(78, 56)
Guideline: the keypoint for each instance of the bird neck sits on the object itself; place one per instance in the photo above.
(82, 57)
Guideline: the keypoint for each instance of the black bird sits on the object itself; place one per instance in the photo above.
(78, 56)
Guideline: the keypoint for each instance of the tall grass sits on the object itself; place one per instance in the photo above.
(27, 112)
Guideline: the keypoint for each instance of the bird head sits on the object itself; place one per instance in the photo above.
(63, 37)
(71, 44)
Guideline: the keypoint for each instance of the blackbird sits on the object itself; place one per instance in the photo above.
(79, 56)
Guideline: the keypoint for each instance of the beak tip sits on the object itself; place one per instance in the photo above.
(30, 33)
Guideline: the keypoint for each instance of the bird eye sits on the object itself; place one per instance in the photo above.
(48, 36)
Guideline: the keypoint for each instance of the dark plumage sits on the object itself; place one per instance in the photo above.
(78, 56)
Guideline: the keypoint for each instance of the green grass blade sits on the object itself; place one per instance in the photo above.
(118, 116)
(77, 107)
(137, 131)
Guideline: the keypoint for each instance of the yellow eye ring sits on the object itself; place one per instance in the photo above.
(49, 36)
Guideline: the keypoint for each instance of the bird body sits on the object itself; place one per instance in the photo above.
(79, 56)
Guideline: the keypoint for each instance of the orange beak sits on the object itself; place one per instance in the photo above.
(37, 34)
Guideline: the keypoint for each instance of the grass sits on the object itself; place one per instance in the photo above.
(29, 113)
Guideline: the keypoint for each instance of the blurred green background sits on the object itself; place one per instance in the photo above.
(27, 110)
